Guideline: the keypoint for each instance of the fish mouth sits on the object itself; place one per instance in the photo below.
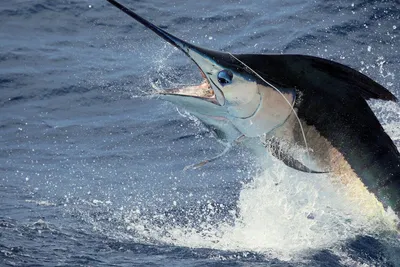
(202, 91)
(203, 58)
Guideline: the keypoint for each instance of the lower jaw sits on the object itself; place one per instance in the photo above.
(202, 90)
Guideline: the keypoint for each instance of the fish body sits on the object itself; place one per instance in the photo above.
(314, 112)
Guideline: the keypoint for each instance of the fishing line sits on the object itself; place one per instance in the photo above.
(287, 101)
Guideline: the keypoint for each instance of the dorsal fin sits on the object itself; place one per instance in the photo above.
(366, 87)
(319, 72)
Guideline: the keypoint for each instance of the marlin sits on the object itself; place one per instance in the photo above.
(310, 112)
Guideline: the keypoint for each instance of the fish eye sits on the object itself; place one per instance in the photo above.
(225, 77)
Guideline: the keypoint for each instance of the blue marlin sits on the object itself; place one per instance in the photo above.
(311, 112)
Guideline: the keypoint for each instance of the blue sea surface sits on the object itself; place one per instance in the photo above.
(91, 167)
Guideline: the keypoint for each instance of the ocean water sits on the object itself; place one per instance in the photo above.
(91, 167)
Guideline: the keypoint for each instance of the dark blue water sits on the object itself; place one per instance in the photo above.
(91, 168)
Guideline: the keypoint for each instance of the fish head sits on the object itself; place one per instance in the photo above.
(231, 90)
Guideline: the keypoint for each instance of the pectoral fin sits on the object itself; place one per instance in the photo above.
(285, 156)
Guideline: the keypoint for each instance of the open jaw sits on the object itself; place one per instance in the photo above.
(202, 91)
(202, 58)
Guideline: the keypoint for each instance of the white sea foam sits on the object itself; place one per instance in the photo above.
(281, 214)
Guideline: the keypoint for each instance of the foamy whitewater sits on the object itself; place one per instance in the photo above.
(281, 214)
